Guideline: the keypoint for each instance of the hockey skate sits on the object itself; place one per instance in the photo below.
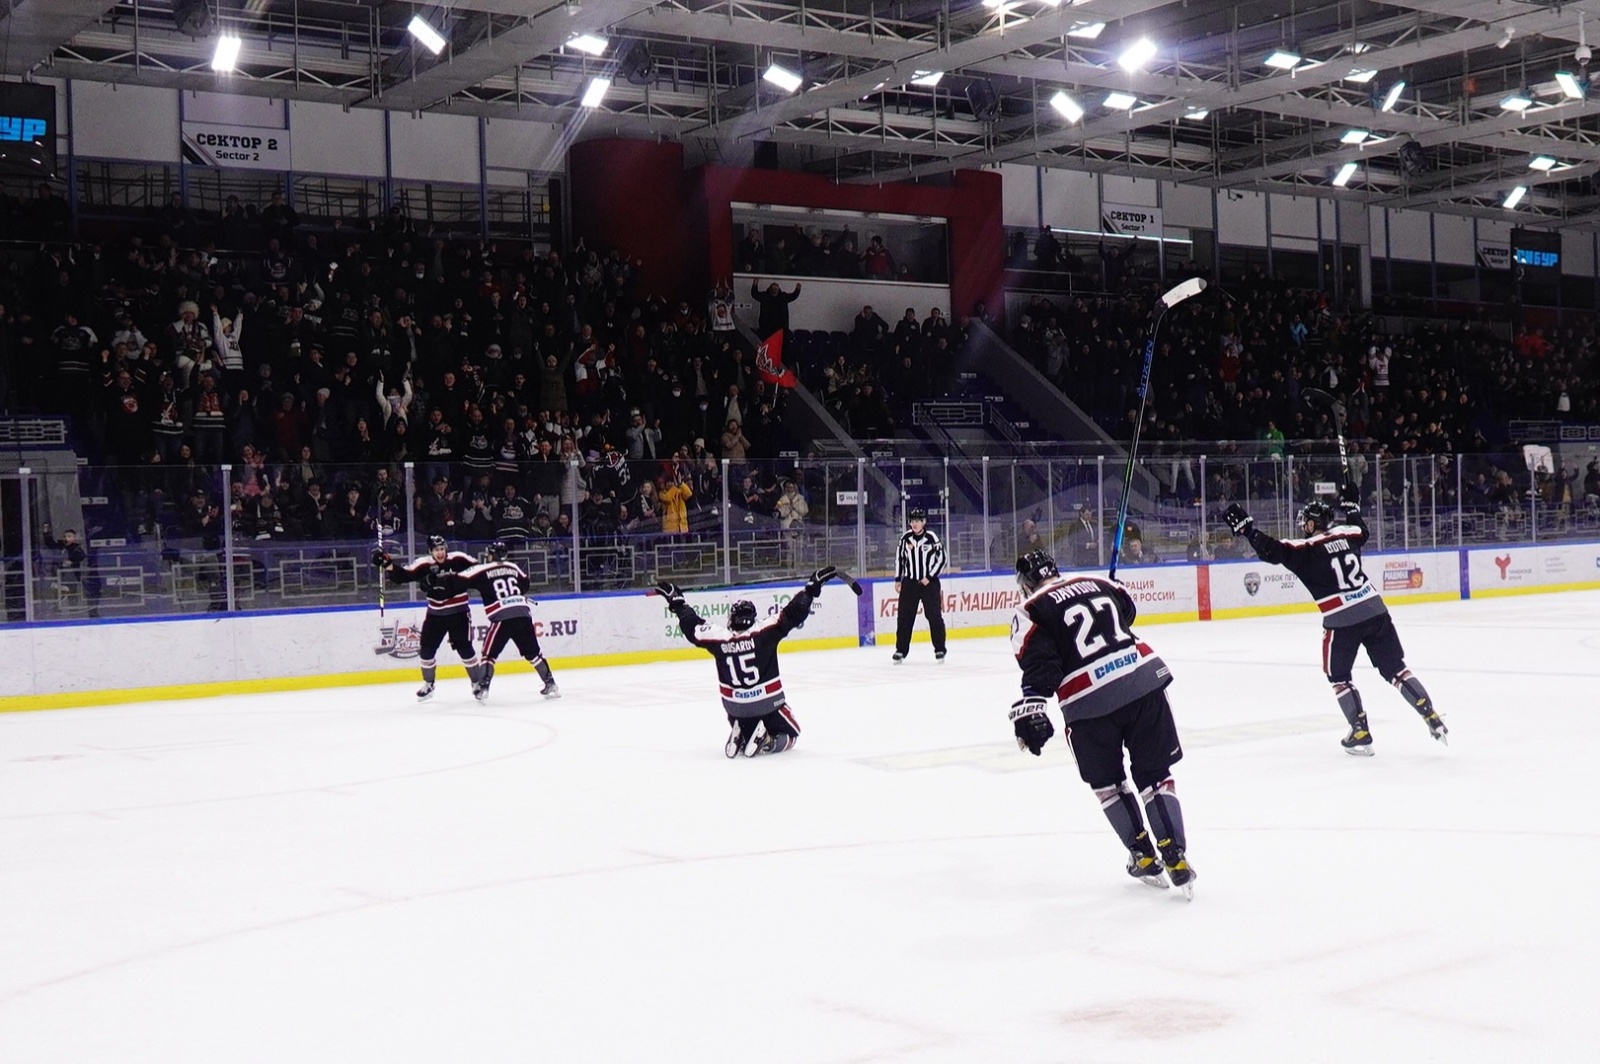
(1359, 741)
(425, 692)
(550, 690)
(480, 691)
(1147, 869)
(898, 657)
(938, 655)
(737, 738)
(1436, 728)
(1179, 871)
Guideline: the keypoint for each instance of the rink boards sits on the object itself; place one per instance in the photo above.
(57, 665)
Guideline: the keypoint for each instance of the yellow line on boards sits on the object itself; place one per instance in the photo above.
(1504, 592)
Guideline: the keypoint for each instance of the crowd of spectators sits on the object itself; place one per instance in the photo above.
(793, 251)
(532, 391)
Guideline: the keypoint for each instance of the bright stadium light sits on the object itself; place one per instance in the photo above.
(1282, 60)
(1514, 197)
(1517, 101)
(1198, 116)
(598, 87)
(1360, 77)
(1542, 163)
(1087, 30)
(782, 77)
(1136, 55)
(591, 43)
(926, 78)
(1392, 97)
(226, 57)
(1120, 101)
(1346, 172)
(1571, 87)
(1354, 136)
(1066, 106)
(425, 34)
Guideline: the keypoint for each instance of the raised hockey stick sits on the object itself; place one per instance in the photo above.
(1318, 398)
(840, 575)
(1169, 299)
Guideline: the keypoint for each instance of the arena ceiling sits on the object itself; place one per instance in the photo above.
(912, 89)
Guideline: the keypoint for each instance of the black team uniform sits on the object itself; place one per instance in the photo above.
(447, 615)
(1328, 564)
(1073, 637)
(747, 666)
(502, 585)
(918, 563)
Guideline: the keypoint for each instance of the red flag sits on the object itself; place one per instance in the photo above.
(769, 362)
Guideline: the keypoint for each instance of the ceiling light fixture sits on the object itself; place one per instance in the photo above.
(1517, 101)
(782, 77)
(1571, 87)
(226, 57)
(425, 34)
(1354, 136)
(590, 43)
(1121, 101)
(1137, 54)
(1282, 60)
(1542, 163)
(1346, 172)
(1392, 97)
(1087, 30)
(1360, 77)
(598, 87)
(1066, 106)
(1198, 116)
(1514, 197)
(927, 78)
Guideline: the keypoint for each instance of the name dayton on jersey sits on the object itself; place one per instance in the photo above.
(1073, 637)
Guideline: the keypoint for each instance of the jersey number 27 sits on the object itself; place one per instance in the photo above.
(1095, 624)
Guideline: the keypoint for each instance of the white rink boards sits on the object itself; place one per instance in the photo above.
(348, 876)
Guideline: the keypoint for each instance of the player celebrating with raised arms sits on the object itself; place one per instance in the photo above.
(1328, 564)
(747, 665)
(447, 614)
(1073, 637)
(502, 585)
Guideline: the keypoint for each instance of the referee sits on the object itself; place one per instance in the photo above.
(917, 566)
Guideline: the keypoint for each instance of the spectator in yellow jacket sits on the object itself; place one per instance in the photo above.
(674, 499)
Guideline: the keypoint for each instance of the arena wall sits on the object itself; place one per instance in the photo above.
(58, 665)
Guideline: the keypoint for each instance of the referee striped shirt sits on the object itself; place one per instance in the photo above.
(920, 557)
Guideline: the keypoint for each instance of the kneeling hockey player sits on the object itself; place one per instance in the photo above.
(1328, 564)
(747, 665)
(1073, 637)
(447, 613)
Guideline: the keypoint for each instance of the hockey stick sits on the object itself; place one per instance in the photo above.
(1169, 299)
(1319, 398)
(848, 580)
(380, 577)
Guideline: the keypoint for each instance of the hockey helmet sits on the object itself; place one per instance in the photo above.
(436, 543)
(741, 615)
(917, 514)
(1035, 569)
(1318, 513)
(496, 551)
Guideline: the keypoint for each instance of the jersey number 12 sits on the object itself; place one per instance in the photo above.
(1347, 571)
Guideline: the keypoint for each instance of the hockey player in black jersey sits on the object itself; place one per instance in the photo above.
(502, 585)
(1073, 638)
(447, 614)
(1328, 564)
(747, 665)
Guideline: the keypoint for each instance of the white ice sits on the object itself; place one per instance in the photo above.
(348, 876)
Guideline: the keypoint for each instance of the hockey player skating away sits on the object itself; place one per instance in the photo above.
(447, 614)
(502, 585)
(747, 665)
(1073, 637)
(1328, 564)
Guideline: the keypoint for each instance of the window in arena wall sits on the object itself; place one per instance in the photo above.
(813, 242)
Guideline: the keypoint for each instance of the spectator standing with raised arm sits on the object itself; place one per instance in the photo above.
(774, 303)
(918, 563)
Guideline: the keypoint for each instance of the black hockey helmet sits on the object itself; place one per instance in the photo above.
(1319, 513)
(917, 514)
(437, 543)
(741, 615)
(1035, 569)
(496, 551)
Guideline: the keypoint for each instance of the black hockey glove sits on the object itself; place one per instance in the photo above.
(671, 592)
(1238, 520)
(1350, 498)
(433, 583)
(818, 578)
(1031, 724)
(380, 558)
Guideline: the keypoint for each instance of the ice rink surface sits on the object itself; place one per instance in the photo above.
(348, 876)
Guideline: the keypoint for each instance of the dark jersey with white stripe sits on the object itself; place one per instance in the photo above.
(1074, 638)
(442, 599)
(747, 662)
(503, 586)
(920, 556)
(1328, 564)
